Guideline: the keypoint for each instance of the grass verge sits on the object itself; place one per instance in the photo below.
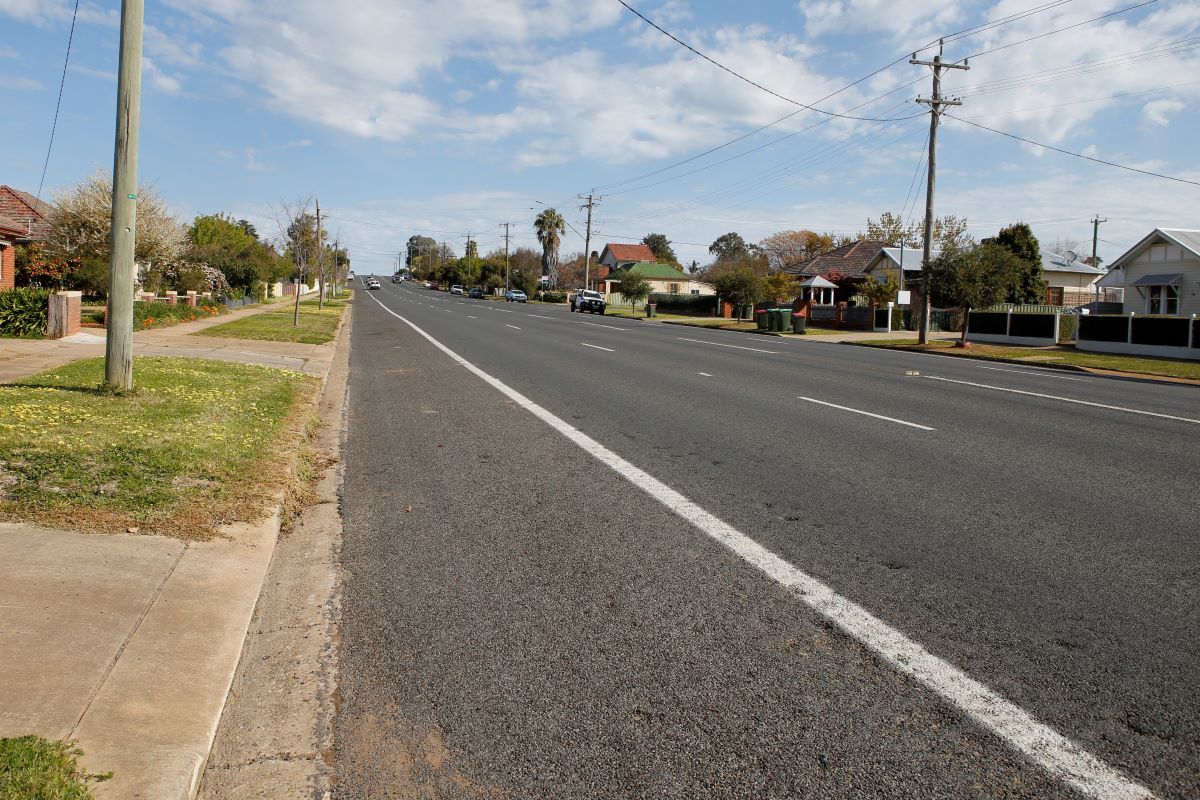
(33, 767)
(316, 325)
(198, 444)
(1163, 367)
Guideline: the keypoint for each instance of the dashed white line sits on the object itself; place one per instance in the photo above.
(734, 346)
(540, 316)
(600, 325)
(705, 374)
(1036, 372)
(471, 317)
(868, 414)
(598, 347)
(1068, 400)
(1058, 755)
(514, 327)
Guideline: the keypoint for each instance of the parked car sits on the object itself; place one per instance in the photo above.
(515, 296)
(430, 285)
(475, 293)
(456, 289)
(587, 300)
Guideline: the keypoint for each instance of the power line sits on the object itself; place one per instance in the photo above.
(1076, 155)
(1059, 30)
(58, 105)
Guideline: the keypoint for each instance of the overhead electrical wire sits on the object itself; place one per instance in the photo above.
(1071, 153)
(1125, 10)
(58, 105)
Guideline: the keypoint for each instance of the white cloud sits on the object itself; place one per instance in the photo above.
(19, 84)
(47, 12)
(1156, 111)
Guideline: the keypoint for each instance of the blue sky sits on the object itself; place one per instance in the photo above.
(453, 116)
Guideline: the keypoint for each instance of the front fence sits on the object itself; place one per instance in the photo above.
(1006, 327)
(1145, 335)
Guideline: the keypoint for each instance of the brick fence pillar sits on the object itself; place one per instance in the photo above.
(191, 299)
(62, 317)
(172, 298)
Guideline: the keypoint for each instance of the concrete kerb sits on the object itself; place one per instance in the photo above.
(155, 716)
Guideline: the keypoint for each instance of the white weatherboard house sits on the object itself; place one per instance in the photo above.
(1160, 274)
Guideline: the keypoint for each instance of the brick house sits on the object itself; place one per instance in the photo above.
(619, 256)
(22, 217)
(847, 264)
(10, 233)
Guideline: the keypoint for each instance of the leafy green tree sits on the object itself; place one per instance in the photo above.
(781, 287)
(729, 247)
(633, 287)
(741, 286)
(248, 228)
(1029, 286)
(418, 247)
(788, 248)
(879, 292)
(891, 230)
(525, 279)
(550, 227)
(661, 245)
(975, 277)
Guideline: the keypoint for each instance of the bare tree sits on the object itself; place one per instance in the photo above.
(1063, 245)
(298, 232)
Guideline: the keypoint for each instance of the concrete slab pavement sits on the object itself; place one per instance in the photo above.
(129, 644)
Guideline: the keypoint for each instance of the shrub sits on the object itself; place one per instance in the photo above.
(703, 305)
(23, 312)
(164, 315)
(554, 297)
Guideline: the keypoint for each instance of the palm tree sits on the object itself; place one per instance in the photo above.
(549, 227)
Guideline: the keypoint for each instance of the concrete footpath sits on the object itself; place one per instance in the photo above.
(128, 644)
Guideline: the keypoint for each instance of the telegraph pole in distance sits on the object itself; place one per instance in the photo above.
(936, 104)
(506, 226)
(320, 261)
(118, 347)
(470, 267)
(1096, 238)
(590, 203)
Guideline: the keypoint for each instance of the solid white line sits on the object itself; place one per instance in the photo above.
(868, 414)
(598, 347)
(705, 374)
(1069, 400)
(734, 346)
(1035, 372)
(1061, 757)
(514, 327)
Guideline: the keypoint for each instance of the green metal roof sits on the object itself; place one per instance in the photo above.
(651, 270)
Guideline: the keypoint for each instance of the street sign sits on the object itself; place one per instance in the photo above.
(903, 298)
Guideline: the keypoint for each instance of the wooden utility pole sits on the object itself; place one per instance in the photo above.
(936, 105)
(118, 346)
(1096, 239)
(587, 239)
(506, 226)
(320, 262)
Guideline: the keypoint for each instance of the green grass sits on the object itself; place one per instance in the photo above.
(316, 325)
(197, 444)
(708, 322)
(1056, 355)
(33, 768)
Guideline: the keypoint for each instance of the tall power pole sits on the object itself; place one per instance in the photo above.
(320, 261)
(1096, 239)
(118, 347)
(506, 226)
(936, 105)
(470, 267)
(590, 203)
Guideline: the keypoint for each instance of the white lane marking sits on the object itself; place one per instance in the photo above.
(600, 325)
(1057, 754)
(1039, 373)
(514, 327)
(734, 346)
(1069, 400)
(598, 347)
(470, 317)
(868, 414)
(540, 316)
(705, 374)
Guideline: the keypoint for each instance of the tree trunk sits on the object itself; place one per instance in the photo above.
(966, 323)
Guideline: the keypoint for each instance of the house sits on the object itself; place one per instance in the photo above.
(11, 232)
(663, 279)
(29, 213)
(1070, 283)
(622, 255)
(1160, 274)
(844, 266)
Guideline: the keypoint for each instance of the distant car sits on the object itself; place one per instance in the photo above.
(587, 300)
(373, 284)
(397, 279)
(456, 289)
(515, 296)
(475, 293)
(430, 285)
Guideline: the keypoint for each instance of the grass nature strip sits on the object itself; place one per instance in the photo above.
(33, 767)
(1164, 367)
(198, 444)
(316, 325)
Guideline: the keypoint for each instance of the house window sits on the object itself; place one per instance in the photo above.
(695, 291)
(1162, 300)
(674, 288)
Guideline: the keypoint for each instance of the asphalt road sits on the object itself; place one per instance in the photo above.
(537, 626)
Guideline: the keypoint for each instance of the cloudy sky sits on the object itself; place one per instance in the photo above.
(445, 117)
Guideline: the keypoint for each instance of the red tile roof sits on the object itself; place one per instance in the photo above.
(630, 252)
(24, 208)
(849, 259)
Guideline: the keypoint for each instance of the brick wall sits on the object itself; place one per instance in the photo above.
(8, 266)
(17, 209)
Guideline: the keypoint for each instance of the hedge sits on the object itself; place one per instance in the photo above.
(685, 303)
(23, 312)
